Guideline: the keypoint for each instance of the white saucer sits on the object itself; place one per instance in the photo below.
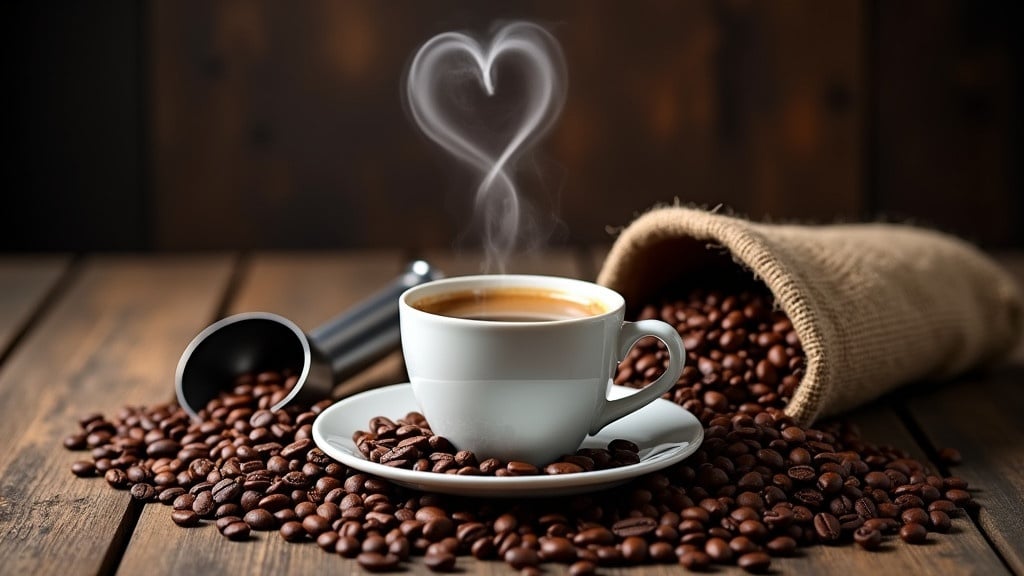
(665, 432)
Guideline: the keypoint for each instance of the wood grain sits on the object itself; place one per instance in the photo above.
(24, 283)
(980, 416)
(113, 338)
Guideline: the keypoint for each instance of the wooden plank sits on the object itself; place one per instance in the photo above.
(981, 417)
(113, 338)
(24, 283)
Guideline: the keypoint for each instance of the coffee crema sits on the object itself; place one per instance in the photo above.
(510, 305)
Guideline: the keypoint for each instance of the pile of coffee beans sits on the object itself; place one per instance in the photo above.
(742, 354)
(759, 487)
(410, 443)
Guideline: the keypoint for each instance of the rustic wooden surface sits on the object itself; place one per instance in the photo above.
(108, 331)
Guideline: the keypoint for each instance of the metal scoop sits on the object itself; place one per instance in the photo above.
(258, 341)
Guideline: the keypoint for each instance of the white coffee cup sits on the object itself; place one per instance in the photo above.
(523, 390)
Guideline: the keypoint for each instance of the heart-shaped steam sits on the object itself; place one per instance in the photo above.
(444, 57)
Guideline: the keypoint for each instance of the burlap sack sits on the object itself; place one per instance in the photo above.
(875, 305)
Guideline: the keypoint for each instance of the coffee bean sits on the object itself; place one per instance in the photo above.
(597, 535)
(754, 562)
(939, 521)
(520, 558)
(376, 562)
(165, 447)
(83, 468)
(237, 531)
(695, 560)
(116, 478)
(913, 533)
(562, 468)
(827, 527)
(718, 550)
(915, 515)
(203, 505)
(143, 492)
(260, 519)
(292, 531)
(516, 468)
(315, 525)
(830, 483)
(867, 537)
(639, 526)
(583, 568)
(959, 497)
(185, 518)
(802, 473)
(557, 549)
(440, 561)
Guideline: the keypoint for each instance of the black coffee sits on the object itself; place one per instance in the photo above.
(510, 305)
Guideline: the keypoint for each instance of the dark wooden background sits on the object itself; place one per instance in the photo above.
(164, 125)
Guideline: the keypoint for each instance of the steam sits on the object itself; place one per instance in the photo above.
(498, 206)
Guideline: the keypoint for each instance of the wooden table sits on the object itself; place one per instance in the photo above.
(91, 333)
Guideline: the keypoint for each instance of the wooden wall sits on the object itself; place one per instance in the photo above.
(259, 124)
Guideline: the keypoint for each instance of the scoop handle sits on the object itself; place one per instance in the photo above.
(368, 331)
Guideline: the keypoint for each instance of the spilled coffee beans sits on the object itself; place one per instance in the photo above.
(759, 487)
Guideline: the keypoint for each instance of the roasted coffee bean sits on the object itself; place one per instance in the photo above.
(83, 468)
(203, 505)
(718, 550)
(939, 521)
(957, 496)
(557, 549)
(260, 519)
(781, 546)
(583, 568)
(695, 560)
(827, 527)
(168, 495)
(754, 562)
(142, 491)
(867, 537)
(292, 531)
(913, 533)
(520, 558)
(117, 478)
(185, 518)
(237, 531)
(915, 515)
(639, 526)
(376, 562)
(440, 561)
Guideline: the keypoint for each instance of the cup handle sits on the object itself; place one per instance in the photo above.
(628, 336)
